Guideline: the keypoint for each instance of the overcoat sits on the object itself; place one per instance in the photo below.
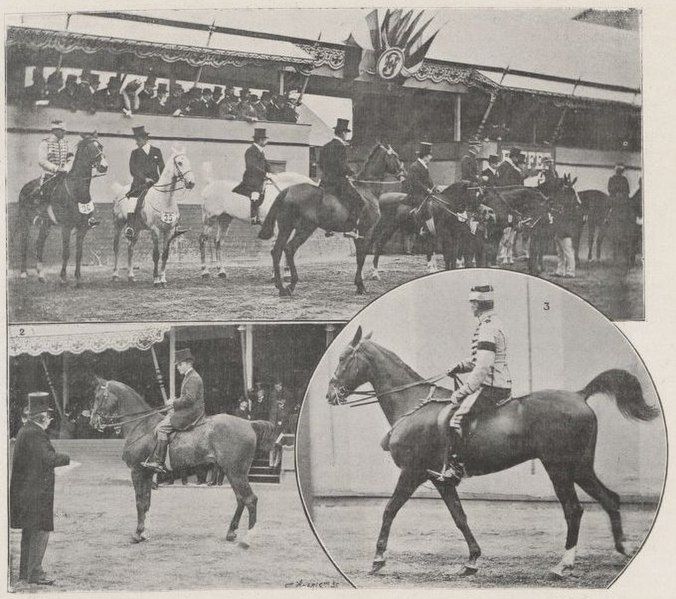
(189, 407)
(31, 489)
(509, 175)
(417, 181)
(256, 167)
(142, 166)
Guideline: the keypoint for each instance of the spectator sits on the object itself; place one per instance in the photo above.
(175, 100)
(243, 409)
(280, 403)
(109, 97)
(260, 409)
(288, 113)
(227, 107)
(37, 90)
(204, 105)
(54, 85)
(67, 97)
(130, 95)
(217, 97)
(86, 92)
(160, 103)
(147, 95)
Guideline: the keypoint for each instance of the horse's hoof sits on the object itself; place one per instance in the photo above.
(361, 290)
(221, 274)
(284, 292)
(42, 279)
(469, 570)
(560, 572)
(231, 536)
(375, 275)
(377, 566)
(138, 537)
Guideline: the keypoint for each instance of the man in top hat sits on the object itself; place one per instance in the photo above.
(509, 172)
(418, 182)
(55, 157)
(489, 381)
(147, 94)
(336, 174)
(145, 165)
(36, 91)
(255, 173)
(185, 411)
(160, 103)
(67, 97)
(204, 106)
(469, 165)
(227, 106)
(109, 98)
(618, 185)
(53, 85)
(490, 174)
(31, 493)
(86, 91)
(245, 108)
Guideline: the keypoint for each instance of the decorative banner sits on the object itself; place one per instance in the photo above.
(399, 44)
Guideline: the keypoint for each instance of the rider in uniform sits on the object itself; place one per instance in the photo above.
(255, 173)
(489, 381)
(336, 174)
(55, 157)
(146, 165)
(185, 410)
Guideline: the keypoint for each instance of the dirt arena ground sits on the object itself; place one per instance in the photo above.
(325, 292)
(95, 515)
(520, 542)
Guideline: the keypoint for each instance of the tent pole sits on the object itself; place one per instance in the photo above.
(64, 378)
(158, 374)
(172, 362)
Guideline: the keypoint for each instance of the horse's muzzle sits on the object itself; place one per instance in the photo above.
(102, 168)
(189, 184)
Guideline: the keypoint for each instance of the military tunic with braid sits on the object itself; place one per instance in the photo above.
(54, 154)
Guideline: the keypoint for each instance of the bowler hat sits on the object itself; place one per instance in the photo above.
(514, 152)
(342, 126)
(140, 132)
(424, 148)
(493, 158)
(38, 402)
(259, 133)
(183, 355)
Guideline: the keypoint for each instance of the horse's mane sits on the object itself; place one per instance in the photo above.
(394, 357)
(129, 390)
(368, 159)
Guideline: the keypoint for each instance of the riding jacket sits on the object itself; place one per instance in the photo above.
(618, 186)
(487, 364)
(189, 407)
(509, 174)
(469, 169)
(256, 168)
(418, 181)
(55, 155)
(144, 165)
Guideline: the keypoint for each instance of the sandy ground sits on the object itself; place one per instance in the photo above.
(520, 542)
(95, 516)
(325, 292)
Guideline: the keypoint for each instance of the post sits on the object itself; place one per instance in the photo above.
(158, 374)
(281, 82)
(246, 342)
(330, 333)
(172, 362)
(64, 380)
(487, 112)
(457, 122)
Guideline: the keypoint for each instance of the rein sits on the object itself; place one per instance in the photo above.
(140, 415)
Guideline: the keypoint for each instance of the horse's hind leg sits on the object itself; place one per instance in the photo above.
(203, 239)
(223, 225)
(284, 232)
(65, 252)
(40, 247)
(245, 498)
(564, 487)
(79, 242)
(382, 233)
(116, 248)
(449, 494)
(408, 482)
(24, 235)
(609, 500)
(303, 232)
(142, 480)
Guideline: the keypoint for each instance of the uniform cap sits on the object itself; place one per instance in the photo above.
(183, 355)
(57, 124)
(481, 293)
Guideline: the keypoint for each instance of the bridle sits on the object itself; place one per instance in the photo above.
(179, 175)
(116, 421)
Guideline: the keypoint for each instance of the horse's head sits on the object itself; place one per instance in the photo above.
(565, 194)
(181, 169)
(105, 404)
(90, 154)
(351, 372)
(382, 160)
(486, 215)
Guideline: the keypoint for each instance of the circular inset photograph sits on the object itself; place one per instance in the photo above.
(481, 428)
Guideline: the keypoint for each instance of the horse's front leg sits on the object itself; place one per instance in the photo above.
(79, 242)
(65, 252)
(167, 238)
(142, 480)
(40, 248)
(203, 239)
(223, 226)
(409, 481)
(116, 249)
(360, 251)
(156, 256)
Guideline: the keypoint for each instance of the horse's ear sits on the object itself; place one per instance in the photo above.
(99, 381)
(357, 338)
(368, 335)
(573, 182)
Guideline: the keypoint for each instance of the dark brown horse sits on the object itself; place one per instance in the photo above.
(557, 427)
(301, 209)
(225, 440)
(70, 208)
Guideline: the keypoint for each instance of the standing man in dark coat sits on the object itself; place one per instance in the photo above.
(509, 173)
(418, 184)
(185, 411)
(490, 174)
(618, 186)
(255, 173)
(280, 401)
(469, 165)
(32, 488)
(336, 175)
(145, 165)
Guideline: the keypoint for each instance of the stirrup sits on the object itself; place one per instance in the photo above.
(154, 466)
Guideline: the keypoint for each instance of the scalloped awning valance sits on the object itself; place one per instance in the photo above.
(78, 338)
(196, 56)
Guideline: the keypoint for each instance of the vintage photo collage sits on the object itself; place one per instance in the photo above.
(323, 298)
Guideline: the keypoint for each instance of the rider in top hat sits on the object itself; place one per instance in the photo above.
(146, 165)
(418, 182)
(185, 411)
(489, 381)
(490, 174)
(31, 493)
(509, 172)
(336, 174)
(255, 173)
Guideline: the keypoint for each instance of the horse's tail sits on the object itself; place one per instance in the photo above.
(265, 434)
(626, 390)
(268, 228)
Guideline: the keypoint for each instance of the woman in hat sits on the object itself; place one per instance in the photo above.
(31, 492)
(255, 173)
(185, 411)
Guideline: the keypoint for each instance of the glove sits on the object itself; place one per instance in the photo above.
(454, 370)
(455, 399)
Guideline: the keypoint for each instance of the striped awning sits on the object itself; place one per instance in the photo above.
(79, 338)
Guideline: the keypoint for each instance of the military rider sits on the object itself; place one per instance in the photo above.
(336, 175)
(488, 383)
(145, 165)
(255, 172)
(185, 410)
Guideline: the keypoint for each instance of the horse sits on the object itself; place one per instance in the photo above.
(595, 209)
(227, 441)
(70, 207)
(555, 426)
(301, 209)
(160, 215)
(220, 206)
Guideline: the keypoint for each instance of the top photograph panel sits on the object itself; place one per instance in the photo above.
(296, 164)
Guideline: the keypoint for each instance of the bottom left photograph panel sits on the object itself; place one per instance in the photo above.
(160, 456)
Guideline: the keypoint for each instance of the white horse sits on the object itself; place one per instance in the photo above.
(160, 215)
(220, 206)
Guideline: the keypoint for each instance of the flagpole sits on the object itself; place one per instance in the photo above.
(211, 32)
(58, 66)
(307, 77)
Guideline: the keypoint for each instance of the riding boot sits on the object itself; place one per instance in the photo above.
(454, 469)
(255, 219)
(156, 461)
